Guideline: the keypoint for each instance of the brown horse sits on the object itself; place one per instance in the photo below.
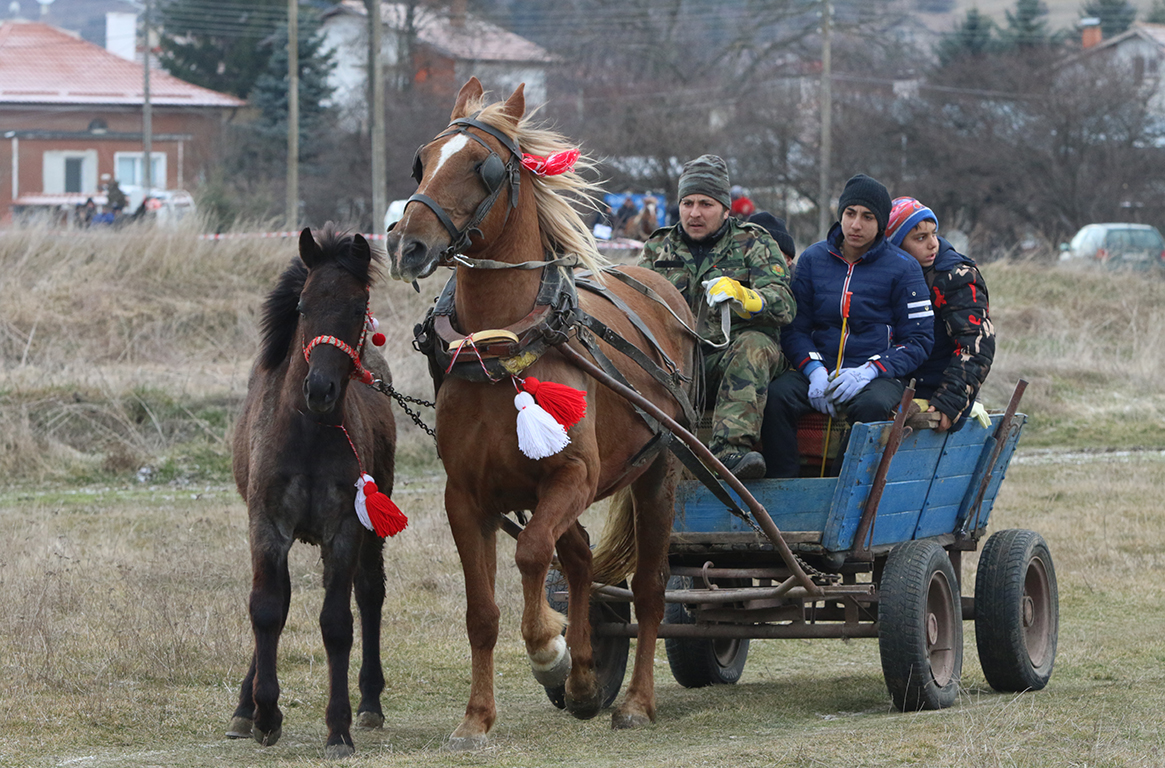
(303, 440)
(454, 221)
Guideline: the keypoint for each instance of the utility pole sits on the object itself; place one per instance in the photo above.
(292, 114)
(147, 116)
(376, 78)
(824, 217)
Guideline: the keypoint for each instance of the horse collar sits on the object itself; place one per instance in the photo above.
(503, 352)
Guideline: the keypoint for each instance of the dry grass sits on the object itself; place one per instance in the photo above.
(124, 635)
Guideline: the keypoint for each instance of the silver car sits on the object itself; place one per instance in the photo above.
(1128, 246)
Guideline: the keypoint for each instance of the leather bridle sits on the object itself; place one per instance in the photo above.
(493, 172)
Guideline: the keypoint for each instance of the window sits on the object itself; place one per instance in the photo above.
(128, 169)
(69, 171)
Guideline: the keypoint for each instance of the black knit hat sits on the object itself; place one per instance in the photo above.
(776, 228)
(706, 175)
(862, 190)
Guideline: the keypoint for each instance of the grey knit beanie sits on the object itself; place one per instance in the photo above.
(706, 175)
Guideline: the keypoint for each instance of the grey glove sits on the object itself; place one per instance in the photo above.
(818, 379)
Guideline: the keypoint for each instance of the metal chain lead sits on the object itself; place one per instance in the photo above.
(387, 389)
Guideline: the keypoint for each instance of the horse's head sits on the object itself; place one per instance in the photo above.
(333, 312)
(467, 186)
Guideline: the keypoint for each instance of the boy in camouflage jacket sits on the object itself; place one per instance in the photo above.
(713, 258)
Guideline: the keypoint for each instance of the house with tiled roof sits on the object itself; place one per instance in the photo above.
(1140, 49)
(446, 47)
(71, 117)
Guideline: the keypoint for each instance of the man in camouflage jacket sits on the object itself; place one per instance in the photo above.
(964, 337)
(714, 259)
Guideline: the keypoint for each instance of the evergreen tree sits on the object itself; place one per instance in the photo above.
(1156, 13)
(1028, 26)
(218, 44)
(973, 37)
(1115, 15)
(270, 92)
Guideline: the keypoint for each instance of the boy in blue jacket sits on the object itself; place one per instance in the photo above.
(964, 337)
(864, 321)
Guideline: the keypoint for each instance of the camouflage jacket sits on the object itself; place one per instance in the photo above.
(746, 253)
(964, 337)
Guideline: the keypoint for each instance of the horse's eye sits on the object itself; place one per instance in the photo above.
(300, 308)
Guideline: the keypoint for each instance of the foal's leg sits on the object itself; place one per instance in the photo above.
(270, 601)
(369, 587)
(584, 697)
(654, 495)
(243, 720)
(560, 502)
(339, 557)
(476, 539)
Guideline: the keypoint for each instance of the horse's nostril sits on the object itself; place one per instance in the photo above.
(412, 250)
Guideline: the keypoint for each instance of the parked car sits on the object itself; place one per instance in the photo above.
(1129, 246)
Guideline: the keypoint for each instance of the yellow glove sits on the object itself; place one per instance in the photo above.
(979, 414)
(747, 302)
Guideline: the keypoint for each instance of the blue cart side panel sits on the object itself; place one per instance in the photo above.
(930, 487)
(907, 484)
(794, 505)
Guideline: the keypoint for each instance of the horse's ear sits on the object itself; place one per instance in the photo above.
(515, 106)
(361, 249)
(309, 250)
(471, 90)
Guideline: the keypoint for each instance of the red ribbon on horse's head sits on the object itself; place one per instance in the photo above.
(558, 163)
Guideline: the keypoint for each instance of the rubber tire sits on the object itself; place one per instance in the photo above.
(610, 653)
(920, 627)
(1017, 611)
(697, 662)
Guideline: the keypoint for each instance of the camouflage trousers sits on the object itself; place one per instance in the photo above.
(739, 375)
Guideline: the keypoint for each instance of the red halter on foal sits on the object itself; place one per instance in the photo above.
(359, 372)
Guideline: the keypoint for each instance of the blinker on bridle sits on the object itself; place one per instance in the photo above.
(492, 171)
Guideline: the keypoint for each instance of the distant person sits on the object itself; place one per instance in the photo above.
(115, 198)
(964, 337)
(776, 227)
(627, 211)
(742, 207)
(863, 322)
(713, 258)
(87, 212)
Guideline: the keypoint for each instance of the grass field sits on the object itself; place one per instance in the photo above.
(124, 565)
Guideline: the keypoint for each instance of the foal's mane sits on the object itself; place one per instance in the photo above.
(562, 228)
(281, 310)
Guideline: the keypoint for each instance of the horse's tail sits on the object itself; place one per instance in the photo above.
(614, 556)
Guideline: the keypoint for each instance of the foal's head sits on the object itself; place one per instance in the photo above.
(321, 305)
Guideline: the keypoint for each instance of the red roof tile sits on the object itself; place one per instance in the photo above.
(40, 64)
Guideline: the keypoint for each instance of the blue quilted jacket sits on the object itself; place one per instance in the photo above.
(891, 321)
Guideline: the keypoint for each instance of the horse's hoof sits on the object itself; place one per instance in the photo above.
(369, 719)
(466, 743)
(339, 751)
(240, 728)
(585, 707)
(554, 671)
(622, 721)
(267, 738)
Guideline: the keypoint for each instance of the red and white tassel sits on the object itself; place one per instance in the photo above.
(373, 326)
(566, 404)
(539, 434)
(376, 511)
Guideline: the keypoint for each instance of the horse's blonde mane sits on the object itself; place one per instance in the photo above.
(557, 198)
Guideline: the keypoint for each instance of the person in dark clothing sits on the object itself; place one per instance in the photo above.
(776, 228)
(964, 337)
(863, 321)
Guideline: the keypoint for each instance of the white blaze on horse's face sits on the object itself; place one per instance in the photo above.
(451, 148)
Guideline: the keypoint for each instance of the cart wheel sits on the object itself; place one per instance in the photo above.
(610, 652)
(698, 662)
(1017, 611)
(920, 627)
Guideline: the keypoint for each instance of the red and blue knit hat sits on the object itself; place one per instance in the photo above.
(906, 214)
